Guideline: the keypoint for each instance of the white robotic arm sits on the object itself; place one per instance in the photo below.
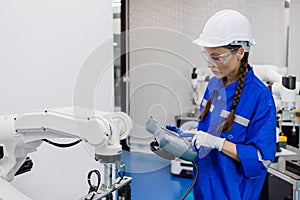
(22, 134)
(283, 86)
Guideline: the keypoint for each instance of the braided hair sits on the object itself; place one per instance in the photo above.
(226, 125)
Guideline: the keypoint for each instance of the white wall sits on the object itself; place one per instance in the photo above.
(48, 50)
(294, 41)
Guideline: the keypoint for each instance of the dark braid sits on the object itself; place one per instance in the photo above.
(206, 108)
(227, 124)
(207, 105)
(209, 101)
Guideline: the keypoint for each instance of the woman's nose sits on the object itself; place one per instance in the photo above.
(209, 65)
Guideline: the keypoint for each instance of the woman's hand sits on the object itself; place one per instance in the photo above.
(202, 138)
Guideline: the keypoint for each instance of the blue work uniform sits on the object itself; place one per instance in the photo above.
(254, 129)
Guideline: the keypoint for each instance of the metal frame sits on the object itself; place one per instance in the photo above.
(103, 192)
(295, 183)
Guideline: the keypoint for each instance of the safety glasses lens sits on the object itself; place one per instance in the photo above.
(217, 59)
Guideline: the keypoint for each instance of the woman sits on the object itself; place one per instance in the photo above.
(236, 137)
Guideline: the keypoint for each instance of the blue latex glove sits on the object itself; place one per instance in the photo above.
(173, 128)
(179, 131)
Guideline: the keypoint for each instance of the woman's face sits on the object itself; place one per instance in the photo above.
(223, 62)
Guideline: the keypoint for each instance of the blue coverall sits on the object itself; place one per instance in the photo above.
(221, 177)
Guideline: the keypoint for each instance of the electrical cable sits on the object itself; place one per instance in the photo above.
(193, 183)
(122, 165)
(124, 192)
(62, 145)
(93, 188)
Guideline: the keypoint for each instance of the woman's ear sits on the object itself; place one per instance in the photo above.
(240, 53)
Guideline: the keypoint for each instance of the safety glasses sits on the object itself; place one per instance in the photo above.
(218, 59)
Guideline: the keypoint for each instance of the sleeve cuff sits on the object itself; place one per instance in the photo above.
(253, 168)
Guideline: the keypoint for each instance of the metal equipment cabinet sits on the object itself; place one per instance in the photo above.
(281, 183)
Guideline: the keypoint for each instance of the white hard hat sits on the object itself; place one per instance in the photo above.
(224, 28)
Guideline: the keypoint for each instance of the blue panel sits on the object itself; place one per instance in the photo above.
(151, 178)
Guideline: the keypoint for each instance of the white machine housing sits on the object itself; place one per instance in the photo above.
(22, 134)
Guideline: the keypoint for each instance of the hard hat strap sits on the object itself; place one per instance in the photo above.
(244, 44)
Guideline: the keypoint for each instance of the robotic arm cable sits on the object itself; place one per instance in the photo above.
(193, 183)
(93, 188)
(62, 145)
(121, 174)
